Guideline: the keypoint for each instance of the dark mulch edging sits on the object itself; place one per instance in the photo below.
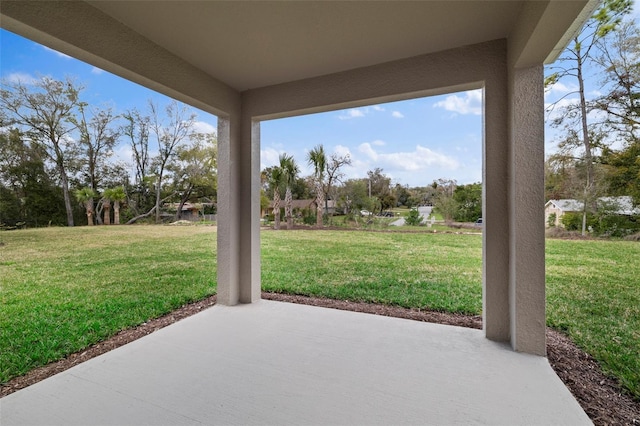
(599, 395)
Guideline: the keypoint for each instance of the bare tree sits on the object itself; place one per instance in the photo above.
(169, 134)
(97, 139)
(571, 64)
(334, 175)
(136, 128)
(619, 57)
(195, 169)
(44, 112)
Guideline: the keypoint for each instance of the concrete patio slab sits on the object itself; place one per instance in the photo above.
(280, 363)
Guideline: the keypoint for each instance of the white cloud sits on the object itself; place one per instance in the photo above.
(419, 159)
(470, 103)
(21, 78)
(60, 54)
(202, 127)
(351, 113)
(269, 157)
(397, 114)
(96, 71)
(378, 142)
(359, 112)
(561, 88)
(555, 110)
(342, 151)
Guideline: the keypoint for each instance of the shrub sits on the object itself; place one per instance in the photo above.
(309, 217)
(572, 221)
(413, 218)
(611, 225)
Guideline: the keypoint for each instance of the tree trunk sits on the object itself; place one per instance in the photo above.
(320, 204)
(183, 200)
(89, 206)
(276, 208)
(288, 208)
(586, 141)
(116, 212)
(67, 197)
(158, 191)
(107, 213)
(150, 212)
(142, 216)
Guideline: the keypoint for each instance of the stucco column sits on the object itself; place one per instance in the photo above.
(238, 216)
(495, 208)
(526, 210)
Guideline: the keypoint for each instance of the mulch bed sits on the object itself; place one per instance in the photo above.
(600, 396)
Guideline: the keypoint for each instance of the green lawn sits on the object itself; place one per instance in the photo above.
(62, 289)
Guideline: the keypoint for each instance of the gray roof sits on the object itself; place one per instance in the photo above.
(567, 205)
(620, 205)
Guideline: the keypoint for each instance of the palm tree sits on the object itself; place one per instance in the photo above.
(318, 159)
(275, 180)
(290, 171)
(118, 195)
(85, 197)
(106, 205)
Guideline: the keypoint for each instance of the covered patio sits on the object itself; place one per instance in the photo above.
(252, 61)
(252, 364)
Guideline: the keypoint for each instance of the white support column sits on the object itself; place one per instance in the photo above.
(526, 213)
(249, 194)
(238, 216)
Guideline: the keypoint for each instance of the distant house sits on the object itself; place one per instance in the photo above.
(189, 211)
(622, 206)
(300, 205)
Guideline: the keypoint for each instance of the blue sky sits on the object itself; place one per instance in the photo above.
(414, 142)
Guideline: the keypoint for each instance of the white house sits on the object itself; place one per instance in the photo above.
(622, 206)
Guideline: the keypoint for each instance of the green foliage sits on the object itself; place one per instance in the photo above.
(572, 221)
(318, 160)
(446, 206)
(604, 223)
(551, 220)
(413, 218)
(623, 170)
(469, 202)
(309, 217)
(27, 192)
(84, 194)
(612, 225)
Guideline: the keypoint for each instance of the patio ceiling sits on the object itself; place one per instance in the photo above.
(248, 45)
(254, 44)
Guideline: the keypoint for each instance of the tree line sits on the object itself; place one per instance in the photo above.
(58, 166)
(57, 162)
(374, 194)
(598, 150)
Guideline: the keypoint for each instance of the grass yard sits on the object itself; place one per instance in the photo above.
(593, 295)
(62, 289)
(433, 271)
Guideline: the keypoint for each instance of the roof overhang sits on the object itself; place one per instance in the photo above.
(236, 46)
